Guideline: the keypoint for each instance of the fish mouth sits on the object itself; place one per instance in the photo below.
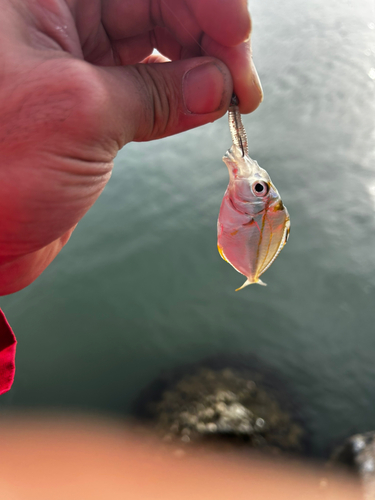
(234, 153)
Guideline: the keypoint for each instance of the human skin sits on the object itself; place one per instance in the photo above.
(78, 82)
(58, 458)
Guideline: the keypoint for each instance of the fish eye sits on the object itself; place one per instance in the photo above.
(260, 188)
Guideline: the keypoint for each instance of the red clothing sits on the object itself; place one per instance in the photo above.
(7, 354)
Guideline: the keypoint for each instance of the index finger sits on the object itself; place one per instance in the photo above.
(218, 28)
(226, 21)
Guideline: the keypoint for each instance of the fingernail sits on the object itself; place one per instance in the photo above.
(203, 89)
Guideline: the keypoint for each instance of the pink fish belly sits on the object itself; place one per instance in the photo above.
(249, 243)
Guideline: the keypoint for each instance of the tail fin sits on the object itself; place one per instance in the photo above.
(247, 282)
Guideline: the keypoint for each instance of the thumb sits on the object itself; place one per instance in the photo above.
(150, 101)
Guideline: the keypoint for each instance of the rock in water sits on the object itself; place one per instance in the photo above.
(358, 453)
(223, 406)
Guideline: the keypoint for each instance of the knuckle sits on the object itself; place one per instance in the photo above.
(161, 97)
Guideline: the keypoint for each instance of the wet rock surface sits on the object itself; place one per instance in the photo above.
(357, 454)
(225, 407)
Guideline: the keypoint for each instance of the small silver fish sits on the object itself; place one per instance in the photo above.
(253, 224)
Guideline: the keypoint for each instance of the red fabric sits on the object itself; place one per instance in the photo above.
(7, 354)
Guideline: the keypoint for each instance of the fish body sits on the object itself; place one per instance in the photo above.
(253, 223)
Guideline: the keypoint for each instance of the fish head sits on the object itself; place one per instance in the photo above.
(250, 187)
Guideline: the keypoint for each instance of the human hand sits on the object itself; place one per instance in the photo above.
(72, 94)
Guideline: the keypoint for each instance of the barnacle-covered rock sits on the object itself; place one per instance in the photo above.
(224, 406)
(357, 454)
